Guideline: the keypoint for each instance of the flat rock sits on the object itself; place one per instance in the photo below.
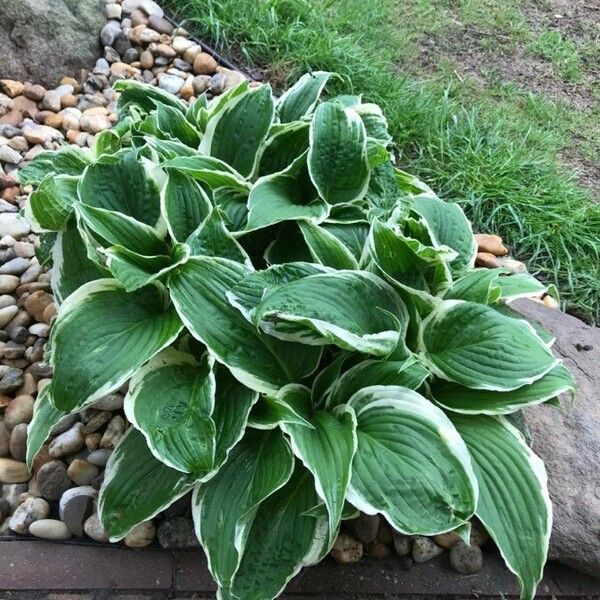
(76, 506)
(569, 442)
(43, 40)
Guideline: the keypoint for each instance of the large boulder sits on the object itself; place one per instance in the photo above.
(569, 441)
(44, 40)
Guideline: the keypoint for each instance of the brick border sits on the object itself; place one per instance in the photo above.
(59, 567)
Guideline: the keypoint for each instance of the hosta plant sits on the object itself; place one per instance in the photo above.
(302, 330)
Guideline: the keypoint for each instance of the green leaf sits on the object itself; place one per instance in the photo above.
(213, 172)
(283, 146)
(411, 465)
(288, 195)
(476, 346)
(224, 507)
(234, 205)
(52, 203)
(236, 132)
(102, 336)
(184, 205)
(406, 373)
(119, 182)
(68, 161)
(289, 540)
(325, 248)
(71, 266)
(269, 412)
(146, 97)
(514, 505)
(478, 285)
(120, 229)
(43, 252)
(45, 417)
(458, 398)
(327, 450)
(451, 228)
(355, 310)
(337, 158)
(134, 270)
(520, 285)
(300, 100)
(171, 401)
(352, 235)
(213, 239)
(198, 289)
(136, 486)
(375, 123)
(174, 124)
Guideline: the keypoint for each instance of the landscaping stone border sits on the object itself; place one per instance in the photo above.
(27, 566)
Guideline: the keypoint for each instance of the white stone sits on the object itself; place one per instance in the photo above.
(50, 529)
(32, 509)
(8, 155)
(171, 83)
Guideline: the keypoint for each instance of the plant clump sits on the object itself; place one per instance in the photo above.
(302, 327)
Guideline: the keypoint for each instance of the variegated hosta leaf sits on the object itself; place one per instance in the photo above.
(45, 417)
(171, 401)
(136, 486)
(325, 380)
(285, 196)
(184, 205)
(69, 161)
(122, 230)
(353, 235)
(145, 97)
(134, 270)
(291, 404)
(234, 205)
(102, 336)
(514, 505)
(300, 100)
(213, 239)
(520, 285)
(408, 373)
(476, 346)
(51, 204)
(284, 145)
(198, 289)
(355, 310)
(411, 465)
(289, 540)
(173, 123)
(547, 337)
(451, 228)
(248, 293)
(478, 285)
(120, 182)
(337, 158)
(208, 170)
(375, 123)
(71, 265)
(224, 507)
(458, 398)
(325, 248)
(236, 132)
(326, 450)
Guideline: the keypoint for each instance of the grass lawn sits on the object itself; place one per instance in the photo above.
(495, 103)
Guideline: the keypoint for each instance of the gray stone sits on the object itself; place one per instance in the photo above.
(466, 559)
(32, 509)
(99, 457)
(171, 83)
(177, 534)
(217, 84)
(69, 442)
(76, 506)
(53, 480)
(366, 527)
(11, 379)
(402, 543)
(568, 441)
(109, 33)
(44, 40)
(18, 442)
(93, 528)
(8, 155)
(424, 549)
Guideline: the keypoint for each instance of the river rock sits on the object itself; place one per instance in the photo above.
(141, 535)
(109, 402)
(569, 443)
(171, 83)
(466, 559)
(402, 543)
(93, 528)
(366, 527)
(204, 64)
(19, 410)
(424, 549)
(8, 155)
(13, 471)
(4, 439)
(50, 529)
(15, 226)
(177, 533)
(82, 472)
(113, 432)
(32, 509)
(53, 480)
(76, 506)
(69, 442)
(18, 442)
(99, 457)
(346, 549)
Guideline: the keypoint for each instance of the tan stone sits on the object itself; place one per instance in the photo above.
(11, 87)
(68, 101)
(204, 64)
(486, 259)
(13, 471)
(36, 304)
(54, 120)
(487, 242)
